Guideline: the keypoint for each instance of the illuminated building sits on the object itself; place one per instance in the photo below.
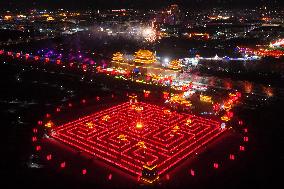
(117, 136)
(118, 57)
(144, 57)
(199, 35)
(175, 65)
(180, 100)
(205, 98)
(144, 62)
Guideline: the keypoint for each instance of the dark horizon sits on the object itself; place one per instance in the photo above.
(138, 4)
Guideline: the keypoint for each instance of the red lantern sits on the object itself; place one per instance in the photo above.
(242, 148)
(58, 61)
(84, 171)
(48, 157)
(36, 58)
(34, 139)
(216, 165)
(109, 176)
(146, 94)
(192, 172)
(38, 148)
(39, 122)
(63, 164)
(232, 157)
(166, 95)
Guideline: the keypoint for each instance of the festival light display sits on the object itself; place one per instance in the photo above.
(205, 98)
(179, 99)
(144, 57)
(143, 139)
(175, 65)
(117, 57)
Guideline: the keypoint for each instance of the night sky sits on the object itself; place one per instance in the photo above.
(144, 4)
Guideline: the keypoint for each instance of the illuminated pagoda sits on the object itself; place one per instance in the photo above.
(175, 65)
(143, 62)
(118, 56)
(144, 57)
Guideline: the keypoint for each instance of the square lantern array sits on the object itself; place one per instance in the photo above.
(132, 136)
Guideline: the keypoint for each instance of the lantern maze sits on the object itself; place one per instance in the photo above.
(143, 139)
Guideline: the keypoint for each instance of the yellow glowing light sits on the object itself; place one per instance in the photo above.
(89, 125)
(106, 118)
(175, 65)
(179, 99)
(189, 121)
(139, 125)
(7, 17)
(144, 57)
(167, 112)
(141, 144)
(122, 137)
(175, 129)
(227, 106)
(150, 168)
(49, 124)
(117, 57)
(204, 98)
(138, 108)
(50, 18)
(225, 118)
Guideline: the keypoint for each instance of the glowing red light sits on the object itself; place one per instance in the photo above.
(216, 165)
(84, 101)
(36, 58)
(230, 114)
(34, 139)
(49, 157)
(232, 157)
(58, 62)
(47, 115)
(39, 122)
(242, 148)
(241, 122)
(38, 148)
(109, 176)
(58, 110)
(166, 95)
(146, 94)
(34, 130)
(63, 164)
(168, 177)
(84, 171)
(98, 98)
(70, 105)
(46, 60)
(181, 143)
(192, 172)
(246, 139)
(245, 130)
